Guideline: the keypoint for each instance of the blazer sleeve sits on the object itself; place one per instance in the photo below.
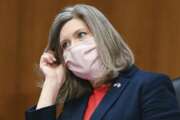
(46, 113)
(159, 100)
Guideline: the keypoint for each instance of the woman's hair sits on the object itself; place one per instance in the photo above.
(114, 53)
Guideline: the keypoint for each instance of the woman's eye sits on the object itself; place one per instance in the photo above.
(82, 34)
(65, 45)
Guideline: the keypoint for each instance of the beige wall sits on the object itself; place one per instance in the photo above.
(151, 28)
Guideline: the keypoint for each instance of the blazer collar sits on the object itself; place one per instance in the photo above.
(114, 93)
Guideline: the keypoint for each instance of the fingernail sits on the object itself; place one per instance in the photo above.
(51, 61)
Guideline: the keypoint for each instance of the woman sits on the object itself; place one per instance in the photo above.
(89, 71)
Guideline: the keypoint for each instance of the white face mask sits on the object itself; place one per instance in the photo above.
(83, 60)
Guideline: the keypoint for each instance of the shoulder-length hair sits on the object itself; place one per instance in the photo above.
(114, 53)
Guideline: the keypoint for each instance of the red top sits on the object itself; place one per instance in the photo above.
(94, 100)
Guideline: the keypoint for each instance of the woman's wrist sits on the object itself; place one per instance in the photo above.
(49, 93)
(55, 79)
(54, 82)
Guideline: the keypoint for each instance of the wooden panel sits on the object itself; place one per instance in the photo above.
(8, 62)
(166, 37)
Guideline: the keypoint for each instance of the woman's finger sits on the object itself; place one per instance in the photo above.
(51, 55)
(48, 58)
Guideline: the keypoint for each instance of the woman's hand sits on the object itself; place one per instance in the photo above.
(50, 69)
(54, 79)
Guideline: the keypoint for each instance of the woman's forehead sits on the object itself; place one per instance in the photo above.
(72, 26)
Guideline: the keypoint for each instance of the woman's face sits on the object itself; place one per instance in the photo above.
(74, 31)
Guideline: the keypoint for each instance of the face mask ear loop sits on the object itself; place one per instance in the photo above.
(64, 62)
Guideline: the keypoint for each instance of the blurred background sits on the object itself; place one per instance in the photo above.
(150, 27)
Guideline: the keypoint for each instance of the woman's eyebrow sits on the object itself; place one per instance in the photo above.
(78, 30)
(74, 34)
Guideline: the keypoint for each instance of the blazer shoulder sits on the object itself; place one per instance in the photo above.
(148, 78)
(151, 79)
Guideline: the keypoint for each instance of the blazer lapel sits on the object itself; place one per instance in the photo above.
(113, 94)
(74, 110)
(109, 99)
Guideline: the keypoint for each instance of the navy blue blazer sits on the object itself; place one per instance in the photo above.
(134, 95)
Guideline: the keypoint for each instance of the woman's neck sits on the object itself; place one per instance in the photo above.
(96, 83)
